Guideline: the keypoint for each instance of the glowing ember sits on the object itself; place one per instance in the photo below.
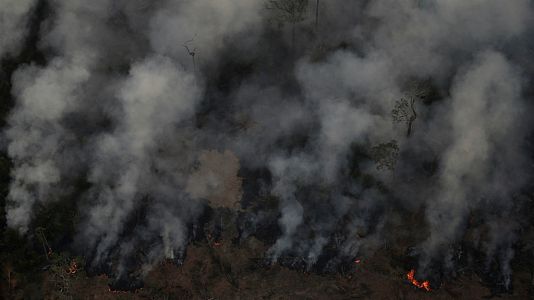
(422, 285)
(73, 268)
(214, 243)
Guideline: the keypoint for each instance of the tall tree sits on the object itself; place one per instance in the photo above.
(289, 11)
(317, 15)
(404, 110)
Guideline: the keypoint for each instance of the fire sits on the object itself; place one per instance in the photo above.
(422, 285)
(214, 243)
(73, 268)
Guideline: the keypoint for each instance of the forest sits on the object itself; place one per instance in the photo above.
(266, 149)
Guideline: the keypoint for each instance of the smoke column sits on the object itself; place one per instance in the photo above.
(133, 92)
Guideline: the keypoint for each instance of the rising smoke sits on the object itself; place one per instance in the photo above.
(133, 92)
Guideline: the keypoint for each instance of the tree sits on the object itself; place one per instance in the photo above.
(217, 179)
(289, 11)
(316, 15)
(62, 274)
(191, 53)
(404, 110)
(40, 232)
(385, 155)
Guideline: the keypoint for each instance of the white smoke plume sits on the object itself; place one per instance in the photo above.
(132, 92)
(39, 142)
(483, 164)
(157, 97)
(14, 21)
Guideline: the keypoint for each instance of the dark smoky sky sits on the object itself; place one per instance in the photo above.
(121, 103)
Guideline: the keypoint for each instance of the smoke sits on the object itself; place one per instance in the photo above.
(184, 23)
(484, 160)
(130, 162)
(110, 109)
(39, 144)
(138, 98)
(14, 19)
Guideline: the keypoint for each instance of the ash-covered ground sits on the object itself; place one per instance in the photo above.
(266, 149)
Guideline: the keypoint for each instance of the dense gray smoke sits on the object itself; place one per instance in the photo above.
(133, 92)
(14, 15)
(130, 162)
(37, 136)
(483, 166)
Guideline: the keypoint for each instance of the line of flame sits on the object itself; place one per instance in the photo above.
(422, 285)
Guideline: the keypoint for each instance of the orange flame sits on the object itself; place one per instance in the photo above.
(214, 244)
(422, 285)
(73, 268)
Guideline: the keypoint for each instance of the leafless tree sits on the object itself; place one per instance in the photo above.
(404, 110)
(316, 15)
(40, 232)
(191, 53)
(289, 11)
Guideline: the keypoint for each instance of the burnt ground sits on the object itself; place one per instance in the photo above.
(227, 260)
(227, 268)
(234, 272)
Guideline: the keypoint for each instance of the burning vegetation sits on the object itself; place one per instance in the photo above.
(73, 267)
(420, 284)
(266, 149)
